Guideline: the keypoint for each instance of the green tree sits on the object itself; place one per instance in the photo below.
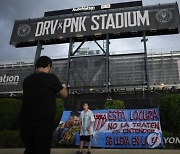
(114, 104)
(170, 113)
(9, 110)
(10, 139)
(59, 109)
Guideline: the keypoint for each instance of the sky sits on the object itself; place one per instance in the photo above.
(11, 10)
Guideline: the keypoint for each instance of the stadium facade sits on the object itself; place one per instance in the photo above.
(87, 72)
(101, 74)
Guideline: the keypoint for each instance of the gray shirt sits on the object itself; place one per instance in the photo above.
(86, 118)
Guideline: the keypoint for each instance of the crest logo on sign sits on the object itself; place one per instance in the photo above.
(164, 15)
(100, 120)
(24, 30)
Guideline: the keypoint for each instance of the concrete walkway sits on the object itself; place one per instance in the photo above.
(99, 151)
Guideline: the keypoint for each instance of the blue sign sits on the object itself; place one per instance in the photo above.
(117, 128)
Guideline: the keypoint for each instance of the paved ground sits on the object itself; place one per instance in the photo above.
(99, 151)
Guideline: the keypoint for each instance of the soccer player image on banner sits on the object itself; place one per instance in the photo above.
(65, 132)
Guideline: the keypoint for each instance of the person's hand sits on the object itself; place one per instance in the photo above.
(64, 86)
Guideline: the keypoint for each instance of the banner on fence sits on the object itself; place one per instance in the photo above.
(116, 128)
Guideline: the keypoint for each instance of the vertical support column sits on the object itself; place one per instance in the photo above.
(144, 40)
(69, 60)
(107, 63)
(38, 53)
